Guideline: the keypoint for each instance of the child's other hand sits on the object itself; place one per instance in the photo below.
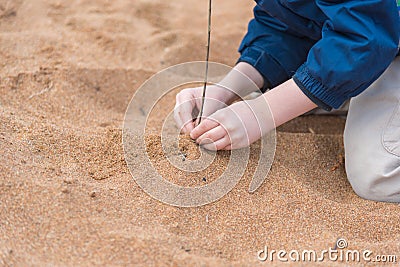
(188, 104)
(236, 126)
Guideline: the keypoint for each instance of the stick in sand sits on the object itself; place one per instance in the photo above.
(207, 59)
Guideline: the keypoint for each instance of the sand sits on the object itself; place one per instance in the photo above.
(68, 72)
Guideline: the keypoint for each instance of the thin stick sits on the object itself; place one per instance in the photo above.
(207, 59)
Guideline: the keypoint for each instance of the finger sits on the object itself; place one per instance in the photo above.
(218, 145)
(183, 116)
(212, 136)
(184, 127)
(178, 120)
(203, 127)
(228, 147)
(222, 143)
(188, 127)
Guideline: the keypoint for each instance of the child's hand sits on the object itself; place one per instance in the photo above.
(241, 80)
(188, 104)
(236, 126)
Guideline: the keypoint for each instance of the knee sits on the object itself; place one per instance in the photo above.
(373, 180)
(369, 191)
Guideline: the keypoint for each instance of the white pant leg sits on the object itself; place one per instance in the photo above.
(372, 139)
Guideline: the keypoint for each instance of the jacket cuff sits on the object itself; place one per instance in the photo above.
(266, 65)
(324, 97)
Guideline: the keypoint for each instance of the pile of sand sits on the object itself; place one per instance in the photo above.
(68, 72)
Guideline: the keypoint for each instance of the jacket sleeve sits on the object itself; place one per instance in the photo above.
(359, 41)
(273, 49)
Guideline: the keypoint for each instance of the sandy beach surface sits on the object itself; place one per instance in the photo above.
(68, 72)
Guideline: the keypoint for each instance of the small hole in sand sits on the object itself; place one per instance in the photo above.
(188, 148)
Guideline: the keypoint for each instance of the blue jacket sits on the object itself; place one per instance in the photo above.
(333, 49)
